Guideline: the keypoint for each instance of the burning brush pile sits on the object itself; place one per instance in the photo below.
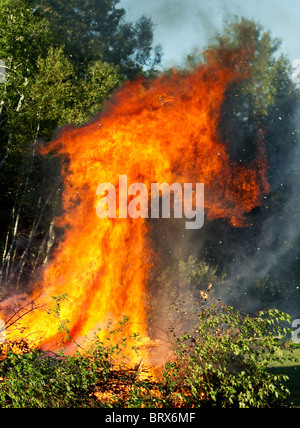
(160, 131)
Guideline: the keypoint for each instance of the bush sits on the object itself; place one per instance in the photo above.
(95, 376)
(223, 362)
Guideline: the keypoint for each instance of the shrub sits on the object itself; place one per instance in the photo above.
(224, 362)
(98, 375)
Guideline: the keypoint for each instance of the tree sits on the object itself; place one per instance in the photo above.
(61, 65)
(250, 103)
(94, 30)
(259, 112)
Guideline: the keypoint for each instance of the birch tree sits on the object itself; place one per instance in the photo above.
(51, 79)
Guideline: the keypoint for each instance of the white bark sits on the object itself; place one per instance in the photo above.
(9, 259)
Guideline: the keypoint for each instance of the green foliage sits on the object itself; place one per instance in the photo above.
(259, 115)
(266, 98)
(94, 30)
(96, 376)
(198, 275)
(63, 60)
(184, 279)
(223, 362)
(260, 88)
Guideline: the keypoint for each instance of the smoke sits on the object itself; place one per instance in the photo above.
(181, 27)
(264, 268)
(261, 261)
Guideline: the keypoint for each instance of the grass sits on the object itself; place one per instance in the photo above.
(292, 370)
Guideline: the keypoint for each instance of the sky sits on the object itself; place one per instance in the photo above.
(183, 25)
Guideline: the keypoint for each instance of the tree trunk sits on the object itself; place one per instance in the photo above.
(18, 108)
(10, 256)
(36, 224)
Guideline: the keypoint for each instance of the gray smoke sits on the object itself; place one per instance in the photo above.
(271, 258)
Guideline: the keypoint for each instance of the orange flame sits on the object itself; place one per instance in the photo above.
(153, 132)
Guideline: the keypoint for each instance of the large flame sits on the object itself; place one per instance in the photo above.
(165, 130)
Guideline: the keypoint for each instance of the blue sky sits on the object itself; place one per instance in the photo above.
(182, 25)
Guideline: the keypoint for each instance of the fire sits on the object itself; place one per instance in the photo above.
(160, 131)
(204, 294)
